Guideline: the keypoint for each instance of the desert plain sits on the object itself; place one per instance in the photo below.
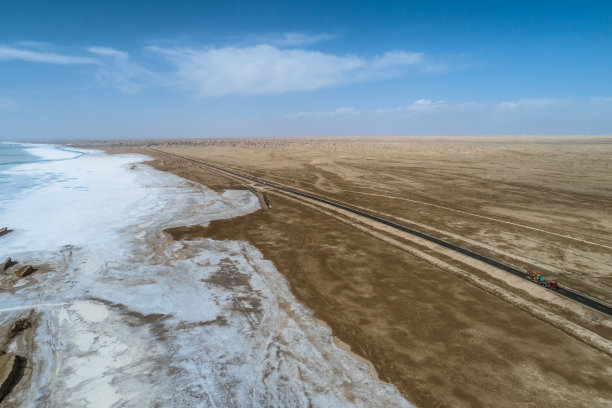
(443, 329)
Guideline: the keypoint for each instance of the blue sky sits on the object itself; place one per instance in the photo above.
(88, 69)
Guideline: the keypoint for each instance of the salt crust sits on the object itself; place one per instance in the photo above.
(129, 317)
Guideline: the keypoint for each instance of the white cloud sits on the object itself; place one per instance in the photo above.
(422, 105)
(261, 69)
(343, 111)
(533, 103)
(275, 67)
(301, 39)
(425, 105)
(283, 40)
(430, 117)
(266, 69)
(114, 67)
(397, 58)
(118, 70)
(16, 54)
(109, 52)
(418, 106)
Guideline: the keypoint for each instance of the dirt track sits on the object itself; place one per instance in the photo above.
(441, 341)
(547, 201)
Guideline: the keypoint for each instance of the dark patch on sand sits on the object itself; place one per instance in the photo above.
(8, 262)
(228, 276)
(4, 231)
(19, 327)
(12, 369)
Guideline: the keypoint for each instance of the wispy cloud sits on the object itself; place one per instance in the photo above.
(45, 57)
(533, 103)
(301, 39)
(397, 58)
(279, 66)
(266, 69)
(282, 40)
(424, 116)
(113, 67)
(416, 107)
(117, 69)
(261, 69)
(109, 52)
(343, 111)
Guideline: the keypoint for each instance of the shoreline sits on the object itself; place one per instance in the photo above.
(95, 308)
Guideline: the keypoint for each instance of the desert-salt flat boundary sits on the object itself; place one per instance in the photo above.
(418, 325)
(119, 313)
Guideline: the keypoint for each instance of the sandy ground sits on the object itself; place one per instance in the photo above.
(543, 204)
(536, 203)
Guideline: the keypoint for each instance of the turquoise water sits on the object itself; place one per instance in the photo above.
(16, 176)
(12, 183)
(12, 154)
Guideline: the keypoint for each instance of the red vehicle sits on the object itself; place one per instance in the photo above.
(541, 280)
(552, 285)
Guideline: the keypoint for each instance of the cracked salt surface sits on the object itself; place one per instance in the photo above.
(129, 317)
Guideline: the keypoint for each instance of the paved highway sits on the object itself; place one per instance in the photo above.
(563, 290)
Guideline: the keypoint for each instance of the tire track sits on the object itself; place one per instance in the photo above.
(562, 290)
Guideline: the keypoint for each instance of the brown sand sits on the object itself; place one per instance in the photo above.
(439, 339)
(546, 202)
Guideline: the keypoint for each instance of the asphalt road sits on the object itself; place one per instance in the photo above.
(562, 290)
